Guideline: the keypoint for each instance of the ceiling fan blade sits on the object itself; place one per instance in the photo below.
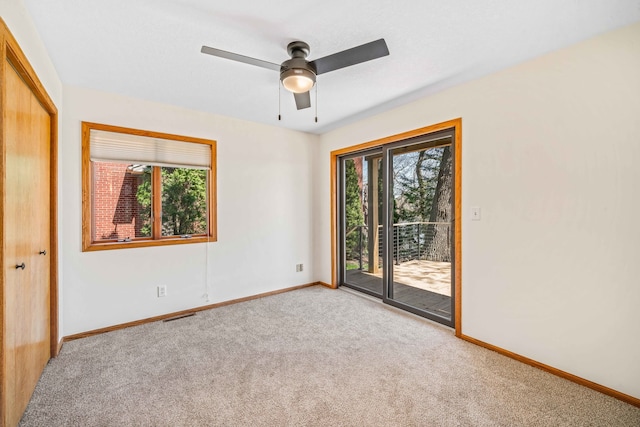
(240, 58)
(303, 100)
(353, 56)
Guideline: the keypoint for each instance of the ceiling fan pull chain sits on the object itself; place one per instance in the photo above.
(316, 102)
(279, 117)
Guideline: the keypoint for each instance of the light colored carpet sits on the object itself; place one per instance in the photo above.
(311, 357)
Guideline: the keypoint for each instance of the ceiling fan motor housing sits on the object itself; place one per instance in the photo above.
(297, 74)
(297, 63)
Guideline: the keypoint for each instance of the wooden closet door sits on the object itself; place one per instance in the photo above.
(26, 215)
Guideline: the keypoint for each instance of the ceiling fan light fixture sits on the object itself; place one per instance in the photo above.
(298, 80)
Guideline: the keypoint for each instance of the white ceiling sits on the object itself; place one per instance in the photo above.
(150, 49)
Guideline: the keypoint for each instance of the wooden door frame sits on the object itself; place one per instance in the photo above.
(11, 51)
(456, 125)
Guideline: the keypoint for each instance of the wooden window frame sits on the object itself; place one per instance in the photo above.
(88, 244)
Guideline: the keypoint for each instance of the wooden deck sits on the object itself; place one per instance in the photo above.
(408, 293)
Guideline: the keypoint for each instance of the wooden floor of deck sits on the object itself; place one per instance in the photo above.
(411, 295)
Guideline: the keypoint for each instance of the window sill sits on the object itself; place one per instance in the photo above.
(97, 246)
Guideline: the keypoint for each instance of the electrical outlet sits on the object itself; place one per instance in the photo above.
(162, 291)
(299, 268)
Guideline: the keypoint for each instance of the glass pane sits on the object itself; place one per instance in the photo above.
(121, 201)
(184, 201)
(363, 223)
(421, 240)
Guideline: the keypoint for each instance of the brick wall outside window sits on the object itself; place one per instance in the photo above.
(116, 209)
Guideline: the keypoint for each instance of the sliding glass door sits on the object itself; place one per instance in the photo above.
(420, 233)
(396, 217)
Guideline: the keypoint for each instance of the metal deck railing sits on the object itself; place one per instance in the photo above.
(411, 241)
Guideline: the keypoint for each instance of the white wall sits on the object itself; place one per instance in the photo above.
(19, 22)
(265, 218)
(550, 152)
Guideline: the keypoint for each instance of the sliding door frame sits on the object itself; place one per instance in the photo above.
(341, 229)
(456, 126)
(427, 141)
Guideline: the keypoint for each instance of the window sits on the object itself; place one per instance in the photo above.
(142, 188)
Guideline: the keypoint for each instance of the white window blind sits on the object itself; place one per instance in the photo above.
(126, 148)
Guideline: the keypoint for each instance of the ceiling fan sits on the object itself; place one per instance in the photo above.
(299, 75)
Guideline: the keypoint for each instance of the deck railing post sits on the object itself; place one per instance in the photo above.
(418, 241)
(361, 227)
(396, 229)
